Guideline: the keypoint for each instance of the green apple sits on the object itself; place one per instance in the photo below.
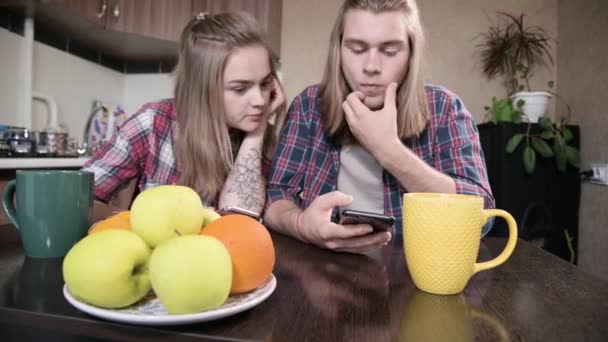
(108, 269)
(191, 273)
(209, 215)
(166, 211)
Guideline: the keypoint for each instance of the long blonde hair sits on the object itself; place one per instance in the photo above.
(412, 107)
(204, 146)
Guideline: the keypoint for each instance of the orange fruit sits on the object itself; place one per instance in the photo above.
(116, 221)
(250, 247)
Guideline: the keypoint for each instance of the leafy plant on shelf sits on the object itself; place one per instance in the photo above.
(502, 110)
(551, 142)
(513, 50)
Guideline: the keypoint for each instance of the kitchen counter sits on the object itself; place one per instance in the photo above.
(37, 163)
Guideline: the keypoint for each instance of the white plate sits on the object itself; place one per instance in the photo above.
(149, 311)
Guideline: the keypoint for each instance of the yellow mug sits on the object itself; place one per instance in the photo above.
(441, 237)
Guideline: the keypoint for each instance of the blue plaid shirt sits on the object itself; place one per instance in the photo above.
(307, 161)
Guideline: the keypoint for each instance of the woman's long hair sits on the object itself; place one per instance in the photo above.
(205, 146)
(412, 107)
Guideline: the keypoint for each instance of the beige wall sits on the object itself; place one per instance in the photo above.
(451, 28)
(304, 40)
(452, 32)
(583, 82)
(143, 88)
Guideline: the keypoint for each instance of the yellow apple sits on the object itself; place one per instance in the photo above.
(108, 269)
(166, 211)
(209, 216)
(191, 273)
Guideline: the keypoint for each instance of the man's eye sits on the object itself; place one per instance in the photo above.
(390, 52)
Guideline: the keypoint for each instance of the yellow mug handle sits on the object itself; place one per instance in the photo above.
(506, 253)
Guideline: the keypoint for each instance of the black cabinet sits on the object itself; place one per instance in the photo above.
(545, 204)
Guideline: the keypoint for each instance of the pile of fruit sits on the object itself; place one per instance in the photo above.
(191, 257)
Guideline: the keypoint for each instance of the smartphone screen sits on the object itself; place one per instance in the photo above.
(377, 221)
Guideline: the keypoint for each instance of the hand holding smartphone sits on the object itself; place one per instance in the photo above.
(379, 222)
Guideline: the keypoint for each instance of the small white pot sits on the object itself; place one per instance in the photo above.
(535, 103)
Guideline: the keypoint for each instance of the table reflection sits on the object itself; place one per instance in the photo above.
(37, 285)
(430, 317)
(346, 293)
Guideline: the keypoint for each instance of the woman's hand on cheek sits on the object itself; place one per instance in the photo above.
(277, 98)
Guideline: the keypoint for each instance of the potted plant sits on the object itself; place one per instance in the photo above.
(512, 50)
(538, 143)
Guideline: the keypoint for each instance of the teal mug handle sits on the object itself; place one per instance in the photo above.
(8, 197)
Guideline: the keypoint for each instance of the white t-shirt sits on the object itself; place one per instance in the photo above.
(360, 176)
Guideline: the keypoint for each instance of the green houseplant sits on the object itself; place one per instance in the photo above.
(557, 134)
(512, 50)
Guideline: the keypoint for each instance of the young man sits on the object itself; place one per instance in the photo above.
(370, 132)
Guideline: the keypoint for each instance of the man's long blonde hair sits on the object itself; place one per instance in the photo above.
(412, 107)
(204, 146)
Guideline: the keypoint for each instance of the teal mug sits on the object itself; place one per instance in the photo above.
(54, 209)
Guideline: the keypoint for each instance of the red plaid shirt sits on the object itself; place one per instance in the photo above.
(307, 162)
(142, 147)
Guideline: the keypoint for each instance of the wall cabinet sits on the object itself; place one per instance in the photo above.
(91, 10)
(140, 29)
(162, 19)
(268, 13)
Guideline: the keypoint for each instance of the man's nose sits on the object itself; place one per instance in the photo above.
(372, 64)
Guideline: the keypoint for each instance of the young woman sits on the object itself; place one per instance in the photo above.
(217, 132)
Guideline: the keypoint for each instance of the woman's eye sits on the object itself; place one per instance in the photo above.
(239, 90)
(266, 84)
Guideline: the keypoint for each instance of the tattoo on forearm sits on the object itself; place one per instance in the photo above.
(248, 182)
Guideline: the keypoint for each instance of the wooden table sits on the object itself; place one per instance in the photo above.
(324, 296)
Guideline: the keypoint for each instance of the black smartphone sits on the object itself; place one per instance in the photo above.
(378, 221)
(236, 210)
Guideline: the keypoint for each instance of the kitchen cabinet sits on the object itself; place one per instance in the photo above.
(161, 19)
(139, 29)
(268, 13)
(91, 10)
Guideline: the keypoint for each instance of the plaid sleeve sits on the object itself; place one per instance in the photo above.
(122, 157)
(460, 153)
(286, 171)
